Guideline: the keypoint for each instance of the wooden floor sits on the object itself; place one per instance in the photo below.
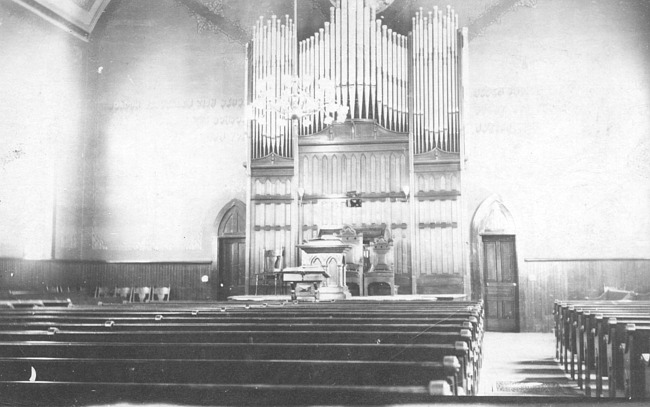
(523, 364)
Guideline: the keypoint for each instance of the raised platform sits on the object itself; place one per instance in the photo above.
(409, 297)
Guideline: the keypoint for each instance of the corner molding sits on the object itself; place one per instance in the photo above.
(76, 17)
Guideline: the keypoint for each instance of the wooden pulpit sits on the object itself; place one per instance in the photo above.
(330, 254)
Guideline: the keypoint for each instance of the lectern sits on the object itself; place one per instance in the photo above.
(330, 255)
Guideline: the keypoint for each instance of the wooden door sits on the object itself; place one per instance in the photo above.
(501, 283)
(232, 267)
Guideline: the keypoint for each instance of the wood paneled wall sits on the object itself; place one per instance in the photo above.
(271, 220)
(364, 172)
(183, 278)
(542, 281)
(362, 159)
(438, 237)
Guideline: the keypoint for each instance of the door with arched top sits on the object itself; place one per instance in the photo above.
(501, 283)
(231, 250)
(494, 266)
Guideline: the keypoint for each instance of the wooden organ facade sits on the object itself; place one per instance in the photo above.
(396, 145)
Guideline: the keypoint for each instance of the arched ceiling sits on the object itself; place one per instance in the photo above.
(236, 18)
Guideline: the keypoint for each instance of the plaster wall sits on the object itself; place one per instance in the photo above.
(43, 112)
(558, 125)
(169, 143)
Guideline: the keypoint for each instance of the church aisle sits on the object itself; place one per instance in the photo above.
(523, 364)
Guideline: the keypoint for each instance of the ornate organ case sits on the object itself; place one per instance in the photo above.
(399, 150)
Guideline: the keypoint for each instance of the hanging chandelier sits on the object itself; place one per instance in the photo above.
(279, 93)
(299, 98)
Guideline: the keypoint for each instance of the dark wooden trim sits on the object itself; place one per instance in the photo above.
(437, 195)
(547, 260)
(363, 226)
(434, 225)
(371, 196)
(357, 131)
(436, 166)
(268, 228)
(232, 237)
(269, 172)
(339, 148)
(272, 198)
(436, 155)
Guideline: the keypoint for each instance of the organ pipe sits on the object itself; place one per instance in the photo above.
(366, 66)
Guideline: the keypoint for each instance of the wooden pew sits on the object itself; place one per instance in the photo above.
(379, 333)
(616, 342)
(583, 329)
(225, 371)
(589, 334)
(75, 393)
(636, 361)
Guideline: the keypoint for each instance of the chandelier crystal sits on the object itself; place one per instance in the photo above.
(299, 98)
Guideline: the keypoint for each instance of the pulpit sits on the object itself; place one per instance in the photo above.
(329, 254)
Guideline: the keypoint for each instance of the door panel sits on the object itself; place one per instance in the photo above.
(232, 278)
(501, 283)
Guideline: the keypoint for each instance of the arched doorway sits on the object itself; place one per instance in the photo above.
(493, 261)
(230, 256)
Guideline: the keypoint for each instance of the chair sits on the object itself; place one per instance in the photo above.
(273, 263)
(386, 277)
(159, 294)
(380, 272)
(124, 293)
(103, 292)
(353, 259)
(141, 294)
(50, 289)
(354, 279)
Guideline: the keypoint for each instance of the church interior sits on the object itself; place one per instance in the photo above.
(395, 160)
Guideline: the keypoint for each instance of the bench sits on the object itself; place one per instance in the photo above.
(589, 334)
(636, 361)
(415, 349)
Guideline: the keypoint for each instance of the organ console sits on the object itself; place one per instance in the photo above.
(358, 106)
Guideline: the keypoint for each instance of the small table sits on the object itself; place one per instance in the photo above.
(303, 274)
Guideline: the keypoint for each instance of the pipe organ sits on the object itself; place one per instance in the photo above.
(358, 108)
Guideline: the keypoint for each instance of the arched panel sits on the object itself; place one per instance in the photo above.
(307, 175)
(492, 217)
(231, 221)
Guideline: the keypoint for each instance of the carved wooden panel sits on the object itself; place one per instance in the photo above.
(271, 231)
(438, 237)
(337, 173)
(334, 212)
(271, 186)
(233, 222)
(438, 181)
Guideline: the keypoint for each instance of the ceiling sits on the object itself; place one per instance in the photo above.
(237, 17)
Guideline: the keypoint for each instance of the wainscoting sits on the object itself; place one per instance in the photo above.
(184, 278)
(541, 281)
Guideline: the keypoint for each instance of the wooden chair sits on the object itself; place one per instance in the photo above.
(141, 294)
(354, 278)
(380, 272)
(124, 293)
(353, 260)
(159, 294)
(103, 292)
(273, 262)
